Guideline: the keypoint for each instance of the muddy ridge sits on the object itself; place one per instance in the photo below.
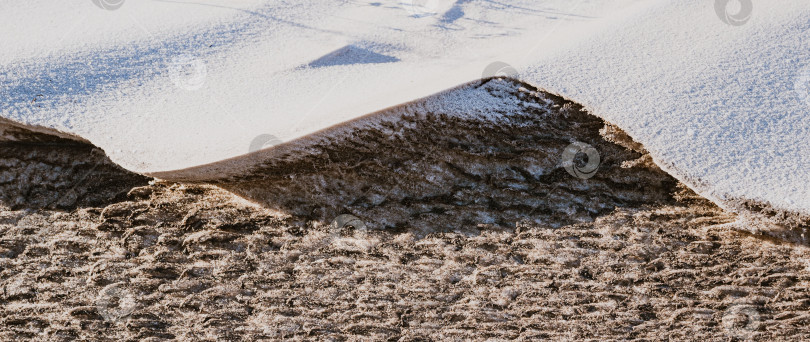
(39, 170)
(405, 165)
(460, 229)
(423, 169)
(433, 170)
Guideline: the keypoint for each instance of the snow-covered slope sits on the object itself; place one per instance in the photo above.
(716, 90)
(724, 108)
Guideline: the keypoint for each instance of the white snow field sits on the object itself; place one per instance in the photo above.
(717, 91)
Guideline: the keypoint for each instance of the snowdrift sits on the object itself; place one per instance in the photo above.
(717, 92)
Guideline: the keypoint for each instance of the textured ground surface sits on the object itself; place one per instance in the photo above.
(44, 171)
(196, 263)
(433, 170)
(470, 231)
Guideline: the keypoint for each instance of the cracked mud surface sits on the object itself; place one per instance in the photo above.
(475, 231)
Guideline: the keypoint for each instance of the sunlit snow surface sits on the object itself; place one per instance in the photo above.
(718, 91)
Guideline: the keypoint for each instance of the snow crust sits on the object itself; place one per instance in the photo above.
(717, 91)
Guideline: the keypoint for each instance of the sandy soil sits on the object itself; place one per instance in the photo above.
(459, 230)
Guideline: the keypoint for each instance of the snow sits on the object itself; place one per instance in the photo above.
(719, 106)
(719, 98)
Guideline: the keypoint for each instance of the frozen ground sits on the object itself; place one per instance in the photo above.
(465, 229)
(197, 263)
(470, 216)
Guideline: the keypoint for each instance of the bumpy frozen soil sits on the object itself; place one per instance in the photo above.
(421, 169)
(197, 263)
(460, 229)
(38, 170)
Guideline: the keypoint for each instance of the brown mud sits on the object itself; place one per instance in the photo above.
(472, 230)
